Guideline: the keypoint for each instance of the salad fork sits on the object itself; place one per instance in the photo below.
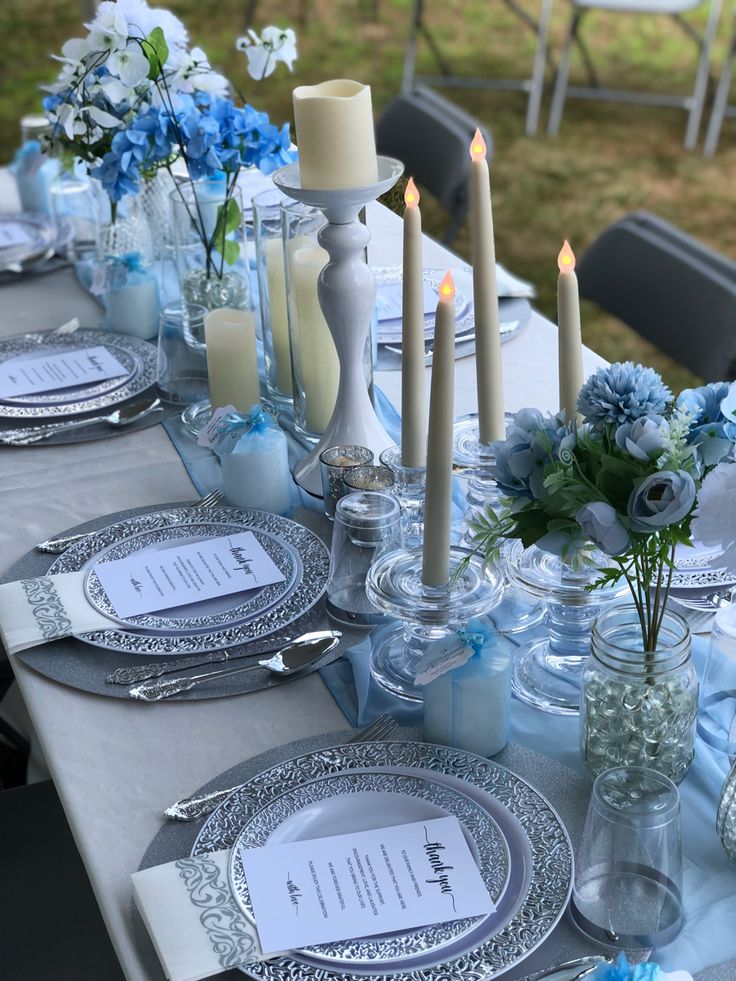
(193, 808)
(55, 546)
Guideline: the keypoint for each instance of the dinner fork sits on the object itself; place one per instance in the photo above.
(55, 546)
(193, 808)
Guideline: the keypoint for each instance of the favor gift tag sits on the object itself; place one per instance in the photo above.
(441, 656)
(215, 435)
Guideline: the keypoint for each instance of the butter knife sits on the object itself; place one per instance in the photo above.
(145, 672)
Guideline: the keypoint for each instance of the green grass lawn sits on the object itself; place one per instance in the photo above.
(607, 161)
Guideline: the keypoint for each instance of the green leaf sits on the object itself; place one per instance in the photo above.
(231, 252)
(156, 50)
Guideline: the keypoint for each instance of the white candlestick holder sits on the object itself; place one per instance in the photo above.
(347, 295)
(427, 614)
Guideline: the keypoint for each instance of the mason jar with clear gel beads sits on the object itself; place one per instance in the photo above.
(638, 708)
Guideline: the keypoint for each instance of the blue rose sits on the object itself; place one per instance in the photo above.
(711, 430)
(645, 439)
(531, 443)
(661, 499)
(602, 525)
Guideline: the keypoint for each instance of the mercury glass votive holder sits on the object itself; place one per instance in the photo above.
(369, 478)
(410, 485)
(334, 462)
(427, 614)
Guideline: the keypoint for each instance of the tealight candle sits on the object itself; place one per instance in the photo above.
(232, 364)
(485, 298)
(368, 479)
(438, 503)
(413, 431)
(335, 135)
(570, 351)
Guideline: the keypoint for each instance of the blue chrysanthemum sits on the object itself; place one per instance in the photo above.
(622, 393)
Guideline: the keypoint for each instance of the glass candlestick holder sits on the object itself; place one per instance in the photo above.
(409, 488)
(427, 614)
(548, 673)
(472, 460)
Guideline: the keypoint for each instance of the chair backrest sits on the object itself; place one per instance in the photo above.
(670, 288)
(431, 137)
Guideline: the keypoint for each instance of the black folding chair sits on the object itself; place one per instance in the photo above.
(51, 924)
(673, 290)
(431, 137)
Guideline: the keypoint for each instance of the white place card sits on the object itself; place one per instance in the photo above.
(363, 884)
(33, 375)
(150, 581)
(13, 234)
(389, 299)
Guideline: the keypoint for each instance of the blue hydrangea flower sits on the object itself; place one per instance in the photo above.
(711, 432)
(532, 442)
(623, 971)
(622, 393)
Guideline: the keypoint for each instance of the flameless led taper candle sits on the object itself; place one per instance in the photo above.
(570, 344)
(485, 296)
(438, 501)
(413, 426)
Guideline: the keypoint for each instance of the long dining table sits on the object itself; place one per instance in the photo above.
(117, 764)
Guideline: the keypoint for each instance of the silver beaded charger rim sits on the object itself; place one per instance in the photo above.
(551, 878)
(493, 857)
(144, 377)
(310, 586)
(283, 555)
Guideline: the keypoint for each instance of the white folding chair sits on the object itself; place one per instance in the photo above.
(675, 9)
(533, 85)
(721, 108)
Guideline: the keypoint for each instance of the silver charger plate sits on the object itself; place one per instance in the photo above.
(308, 586)
(38, 233)
(700, 568)
(357, 798)
(527, 923)
(223, 610)
(389, 331)
(142, 352)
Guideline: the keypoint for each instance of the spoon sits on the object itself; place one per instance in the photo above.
(123, 416)
(296, 656)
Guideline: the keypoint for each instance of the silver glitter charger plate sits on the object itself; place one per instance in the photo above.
(701, 569)
(237, 608)
(143, 377)
(485, 838)
(309, 586)
(41, 234)
(534, 917)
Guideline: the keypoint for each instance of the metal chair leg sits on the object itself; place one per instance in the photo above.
(720, 102)
(701, 77)
(410, 54)
(563, 73)
(540, 60)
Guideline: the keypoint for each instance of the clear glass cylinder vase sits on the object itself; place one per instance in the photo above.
(210, 243)
(638, 708)
(726, 819)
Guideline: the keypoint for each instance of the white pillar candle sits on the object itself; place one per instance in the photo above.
(134, 309)
(232, 365)
(334, 133)
(570, 345)
(276, 280)
(318, 367)
(256, 473)
(438, 501)
(485, 296)
(413, 425)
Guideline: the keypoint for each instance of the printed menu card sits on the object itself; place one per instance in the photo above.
(160, 580)
(29, 375)
(363, 884)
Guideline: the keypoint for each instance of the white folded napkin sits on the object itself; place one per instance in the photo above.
(509, 285)
(34, 611)
(193, 919)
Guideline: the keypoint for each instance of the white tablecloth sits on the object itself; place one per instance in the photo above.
(117, 764)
